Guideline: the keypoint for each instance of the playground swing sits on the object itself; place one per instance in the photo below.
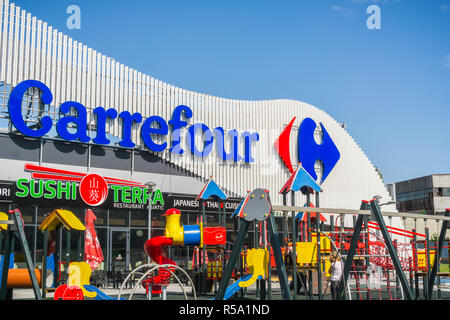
(16, 278)
(256, 206)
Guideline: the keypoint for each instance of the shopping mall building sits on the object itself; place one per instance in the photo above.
(69, 112)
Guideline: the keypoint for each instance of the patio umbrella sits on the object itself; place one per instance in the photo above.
(92, 250)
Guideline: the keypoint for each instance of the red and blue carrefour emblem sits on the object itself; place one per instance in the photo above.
(309, 151)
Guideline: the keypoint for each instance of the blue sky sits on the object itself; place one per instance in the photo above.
(390, 86)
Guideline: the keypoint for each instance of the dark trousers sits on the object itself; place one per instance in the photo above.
(334, 289)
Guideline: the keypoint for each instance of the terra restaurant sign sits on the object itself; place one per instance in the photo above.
(93, 189)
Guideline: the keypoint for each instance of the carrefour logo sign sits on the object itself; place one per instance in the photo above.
(309, 151)
(154, 126)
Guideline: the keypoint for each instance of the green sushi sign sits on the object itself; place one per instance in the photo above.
(55, 185)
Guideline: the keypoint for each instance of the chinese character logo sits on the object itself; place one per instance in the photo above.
(93, 189)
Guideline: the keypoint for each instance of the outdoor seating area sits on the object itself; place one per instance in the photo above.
(111, 279)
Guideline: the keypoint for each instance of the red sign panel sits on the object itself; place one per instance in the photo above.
(214, 236)
(93, 189)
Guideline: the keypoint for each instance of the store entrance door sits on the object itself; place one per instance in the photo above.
(119, 249)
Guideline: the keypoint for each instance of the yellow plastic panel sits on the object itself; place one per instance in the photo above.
(60, 217)
(3, 216)
(79, 275)
(306, 253)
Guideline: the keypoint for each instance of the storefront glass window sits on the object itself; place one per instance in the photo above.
(75, 251)
(157, 232)
(28, 214)
(19, 257)
(194, 217)
(279, 224)
(135, 224)
(118, 218)
(212, 220)
(118, 249)
(249, 239)
(102, 239)
(180, 256)
(42, 213)
(101, 215)
(137, 253)
(139, 218)
(229, 223)
(39, 246)
(76, 246)
(230, 236)
(158, 220)
(184, 218)
(190, 253)
(79, 212)
(4, 207)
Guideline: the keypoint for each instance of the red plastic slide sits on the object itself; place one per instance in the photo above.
(153, 247)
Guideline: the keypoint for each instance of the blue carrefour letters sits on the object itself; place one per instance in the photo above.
(15, 108)
(73, 126)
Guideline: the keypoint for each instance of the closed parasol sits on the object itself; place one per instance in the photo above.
(92, 250)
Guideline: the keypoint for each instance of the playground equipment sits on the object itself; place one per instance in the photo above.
(215, 262)
(65, 292)
(378, 265)
(257, 261)
(191, 235)
(175, 234)
(375, 265)
(154, 249)
(211, 236)
(56, 220)
(373, 273)
(79, 287)
(156, 277)
(378, 254)
(149, 270)
(16, 278)
(256, 206)
(301, 180)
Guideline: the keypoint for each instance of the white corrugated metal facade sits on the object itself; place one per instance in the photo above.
(30, 49)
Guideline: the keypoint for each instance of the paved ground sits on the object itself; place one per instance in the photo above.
(174, 292)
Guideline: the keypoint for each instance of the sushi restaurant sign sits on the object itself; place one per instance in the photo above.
(48, 184)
